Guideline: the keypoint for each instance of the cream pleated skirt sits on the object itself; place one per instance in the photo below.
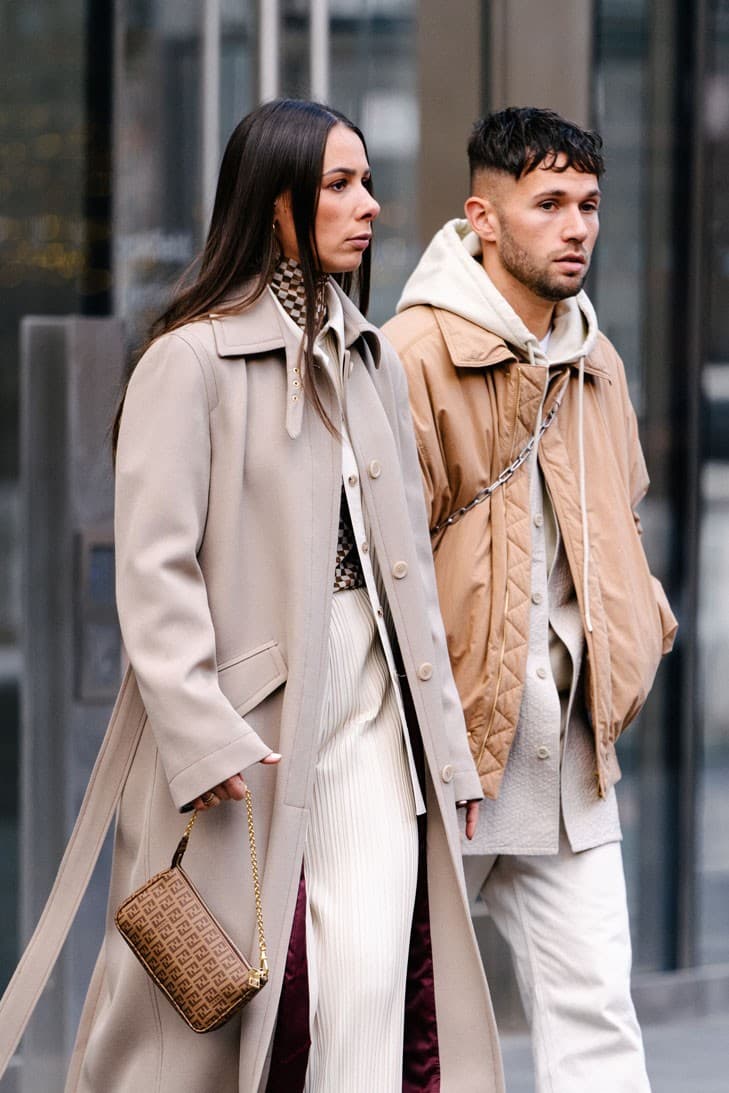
(360, 864)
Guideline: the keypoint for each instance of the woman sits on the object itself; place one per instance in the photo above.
(273, 576)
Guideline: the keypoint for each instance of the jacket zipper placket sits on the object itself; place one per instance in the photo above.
(492, 715)
(588, 635)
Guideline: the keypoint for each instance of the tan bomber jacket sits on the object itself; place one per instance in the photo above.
(475, 404)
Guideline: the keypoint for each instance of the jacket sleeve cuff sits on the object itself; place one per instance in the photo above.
(467, 785)
(213, 769)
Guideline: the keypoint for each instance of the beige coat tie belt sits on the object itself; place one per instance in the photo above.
(84, 846)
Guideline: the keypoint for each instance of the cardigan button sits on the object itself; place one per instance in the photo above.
(399, 570)
(352, 479)
(374, 469)
(447, 773)
(543, 751)
(425, 671)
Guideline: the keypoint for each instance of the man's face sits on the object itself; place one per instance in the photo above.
(541, 229)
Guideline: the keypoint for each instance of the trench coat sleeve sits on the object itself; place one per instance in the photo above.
(466, 782)
(639, 483)
(162, 484)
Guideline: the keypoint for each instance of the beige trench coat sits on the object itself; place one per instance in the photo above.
(227, 508)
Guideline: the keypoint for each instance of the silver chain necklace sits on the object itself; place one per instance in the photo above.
(508, 472)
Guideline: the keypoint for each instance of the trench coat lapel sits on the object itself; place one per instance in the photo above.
(262, 328)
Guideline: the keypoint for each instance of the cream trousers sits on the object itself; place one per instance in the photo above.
(360, 863)
(565, 919)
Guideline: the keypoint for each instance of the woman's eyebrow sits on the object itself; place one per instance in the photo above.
(344, 171)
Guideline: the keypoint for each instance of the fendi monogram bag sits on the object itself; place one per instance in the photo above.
(183, 947)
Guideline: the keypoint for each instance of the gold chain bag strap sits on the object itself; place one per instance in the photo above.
(183, 947)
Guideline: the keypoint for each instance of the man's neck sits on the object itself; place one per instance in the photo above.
(535, 312)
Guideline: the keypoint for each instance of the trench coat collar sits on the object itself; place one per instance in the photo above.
(262, 328)
(472, 346)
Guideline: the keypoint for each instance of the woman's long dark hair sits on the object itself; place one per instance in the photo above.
(278, 148)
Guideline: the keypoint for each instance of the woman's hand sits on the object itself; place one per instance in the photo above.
(232, 789)
(471, 808)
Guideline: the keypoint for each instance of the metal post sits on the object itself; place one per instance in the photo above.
(268, 50)
(690, 338)
(71, 372)
(449, 54)
(522, 72)
(210, 106)
(319, 50)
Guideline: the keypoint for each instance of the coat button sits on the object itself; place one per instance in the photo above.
(399, 570)
(543, 752)
(352, 479)
(425, 671)
(542, 673)
(374, 469)
(365, 547)
(447, 773)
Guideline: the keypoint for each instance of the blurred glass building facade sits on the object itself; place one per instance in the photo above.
(112, 121)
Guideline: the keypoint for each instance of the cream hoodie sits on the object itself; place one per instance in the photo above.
(450, 276)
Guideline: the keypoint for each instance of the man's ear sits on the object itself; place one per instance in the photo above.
(481, 215)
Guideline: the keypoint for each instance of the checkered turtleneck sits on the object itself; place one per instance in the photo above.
(348, 568)
(288, 285)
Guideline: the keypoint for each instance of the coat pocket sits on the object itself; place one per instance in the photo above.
(247, 679)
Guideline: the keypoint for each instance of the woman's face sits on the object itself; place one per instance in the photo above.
(343, 225)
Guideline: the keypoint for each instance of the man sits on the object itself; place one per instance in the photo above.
(532, 470)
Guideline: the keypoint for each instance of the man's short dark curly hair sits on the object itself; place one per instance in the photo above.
(519, 139)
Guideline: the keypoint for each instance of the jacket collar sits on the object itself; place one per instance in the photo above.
(471, 346)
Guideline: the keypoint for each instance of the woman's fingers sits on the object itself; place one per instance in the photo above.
(206, 801)
(232, 789)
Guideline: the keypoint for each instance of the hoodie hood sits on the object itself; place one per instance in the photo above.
(450, 276)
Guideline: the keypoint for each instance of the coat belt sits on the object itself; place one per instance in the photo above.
(84, 846)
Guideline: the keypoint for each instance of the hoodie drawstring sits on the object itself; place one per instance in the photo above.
(583, 493)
